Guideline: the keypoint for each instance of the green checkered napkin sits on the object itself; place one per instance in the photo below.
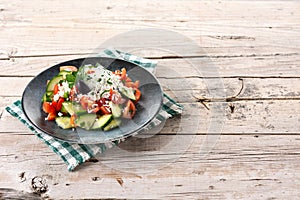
(75, 154)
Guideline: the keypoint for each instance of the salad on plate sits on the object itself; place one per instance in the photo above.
(90, 97)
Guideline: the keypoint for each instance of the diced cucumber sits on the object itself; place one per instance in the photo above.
(128, 92)
(68, 106)
(116, 110)
(102, 121)
(113, 124)
(64, 73)
(63, 122)
(64, 110)
(53, 82)
(73, 108)
(47, 97)
(78, 109)
(86, 121)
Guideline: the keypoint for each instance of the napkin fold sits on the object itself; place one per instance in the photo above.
(74, 154)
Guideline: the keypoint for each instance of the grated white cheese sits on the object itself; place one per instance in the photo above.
(101, 81)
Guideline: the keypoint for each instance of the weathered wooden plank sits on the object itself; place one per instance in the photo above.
(7, 193)
(189, 89)
(211, 42)
(238, 118)
(207, 23)
(237, 167)
(256, 66)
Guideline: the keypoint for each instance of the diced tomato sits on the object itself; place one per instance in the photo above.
(137, 95)
(54, 105)
(68, 68)
(51, 116)
(128, 84)
(104, 110)
(136, 84)
(129, 110)
(128, 79)
(123, 74)
(48, 107)
(59, 103)
(72, 120)
(117, 72)
(115, 97)
(84, 102)
(111, 92)
(56, 89)
(96, 109)
(90, 71)
(72, 94)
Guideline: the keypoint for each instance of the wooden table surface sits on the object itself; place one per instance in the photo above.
(244, 144)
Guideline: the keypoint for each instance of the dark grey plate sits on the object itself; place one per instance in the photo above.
(147, 108)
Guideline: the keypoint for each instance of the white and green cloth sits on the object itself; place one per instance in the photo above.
(75, 154)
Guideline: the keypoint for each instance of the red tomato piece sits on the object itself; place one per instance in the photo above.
(90, 71)
(96, 109)
(116, 98)
(123, 74)
(84, 102)
(54, 105)
(72, 94)
(72, 120)
(129, 110)
(136, 84)
(128, 79)
(48, 108)
(68, 68)
(59, 103)
(104, 110)
(128, 84)
(117, 72)
(111, 92)
(51, 116)
(137, 95)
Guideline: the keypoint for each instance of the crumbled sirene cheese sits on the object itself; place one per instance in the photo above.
(56, 97)
(101, 81)
(59, 114)
(62, 89)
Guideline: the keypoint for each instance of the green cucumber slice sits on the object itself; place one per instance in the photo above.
(67, 105)
(73, 108)
(85, 121)
(64, 73)
(47, 97)
(53, 82)
(63, 122)
(113, 124)
(116, 110)
(128, 92)
(102, 121)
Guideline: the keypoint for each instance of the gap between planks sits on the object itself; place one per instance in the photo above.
(158, 57)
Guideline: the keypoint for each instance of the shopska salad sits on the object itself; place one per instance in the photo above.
(90, 97)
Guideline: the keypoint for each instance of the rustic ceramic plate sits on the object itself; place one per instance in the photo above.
(147, 108)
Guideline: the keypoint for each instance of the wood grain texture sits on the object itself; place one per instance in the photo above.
(237, 167)
(244, 60)
(220, 27)
(214, 67)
